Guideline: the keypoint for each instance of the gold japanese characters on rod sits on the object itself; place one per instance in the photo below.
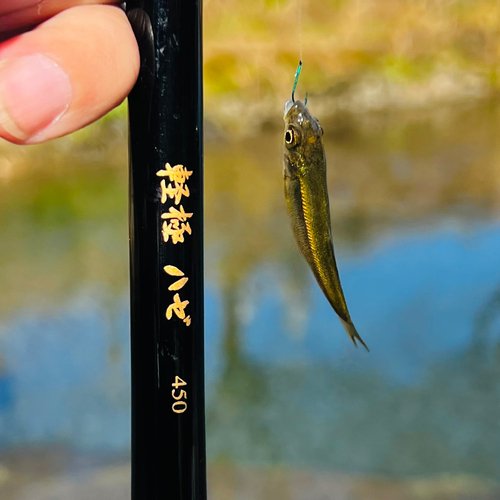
(177, 307)
(176, 219)
(175, 224)
(173, 228)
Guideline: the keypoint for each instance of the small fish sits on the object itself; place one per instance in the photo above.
(307, 202)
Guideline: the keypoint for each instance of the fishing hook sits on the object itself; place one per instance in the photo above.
(297, 73)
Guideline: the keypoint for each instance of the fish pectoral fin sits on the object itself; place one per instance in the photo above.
(352, 332)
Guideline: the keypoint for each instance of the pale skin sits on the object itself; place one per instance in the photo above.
(63, 65)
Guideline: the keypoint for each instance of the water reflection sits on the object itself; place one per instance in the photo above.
(415, 209)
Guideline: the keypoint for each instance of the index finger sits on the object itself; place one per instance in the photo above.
(18, 14)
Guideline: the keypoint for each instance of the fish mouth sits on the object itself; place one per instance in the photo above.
(288, 106)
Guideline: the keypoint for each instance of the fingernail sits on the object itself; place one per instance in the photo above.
(34, 92)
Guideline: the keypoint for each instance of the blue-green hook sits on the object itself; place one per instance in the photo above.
(297, 73)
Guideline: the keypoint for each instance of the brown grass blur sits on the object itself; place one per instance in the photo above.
(422, 51)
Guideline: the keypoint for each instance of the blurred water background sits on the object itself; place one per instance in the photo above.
(406, 92)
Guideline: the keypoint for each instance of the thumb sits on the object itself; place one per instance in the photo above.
(65, 74)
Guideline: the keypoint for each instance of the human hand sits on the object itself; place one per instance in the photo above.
(77, 64)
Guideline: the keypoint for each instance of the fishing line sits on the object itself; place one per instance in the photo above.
(299, 9)
(299, 5)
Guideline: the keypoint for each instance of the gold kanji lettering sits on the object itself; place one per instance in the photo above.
(178, 284)
(175, 230)
(177, 225)
(175, 192)
(173, 213)
(175, 271)
(178, 307)
(178, 173)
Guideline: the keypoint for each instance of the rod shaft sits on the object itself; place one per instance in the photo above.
(166, 253)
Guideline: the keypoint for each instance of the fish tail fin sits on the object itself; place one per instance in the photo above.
(352, 332)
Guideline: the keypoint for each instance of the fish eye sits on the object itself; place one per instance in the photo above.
(291, 137)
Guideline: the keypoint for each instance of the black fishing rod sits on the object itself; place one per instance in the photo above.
(166, 253)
